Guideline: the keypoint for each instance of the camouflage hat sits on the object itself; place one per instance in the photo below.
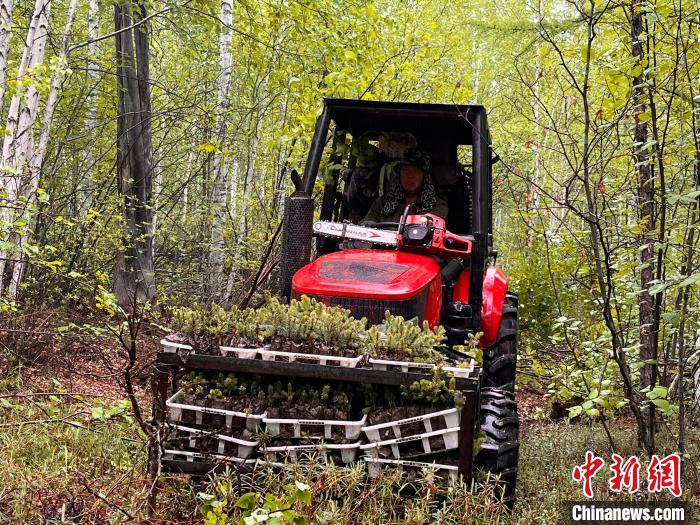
(416, 157)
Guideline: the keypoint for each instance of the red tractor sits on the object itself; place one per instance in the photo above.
(423, 266)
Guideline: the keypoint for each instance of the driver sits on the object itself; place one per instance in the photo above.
(413, 186)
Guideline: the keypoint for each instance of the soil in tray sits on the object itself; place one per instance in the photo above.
(315, 438)
(307, 412)
(217, 422)
(313, 347)
(378, 416)
(200, 344)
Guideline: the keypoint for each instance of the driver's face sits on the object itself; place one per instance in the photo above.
(411, 178)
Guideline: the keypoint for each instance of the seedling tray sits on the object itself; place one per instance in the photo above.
(374, 465)
(314, 428)
(186, 455)
(212, 443)
(341, 453)
(290, 357)
(444, 419)
(168, 363)
(409, 366)
(414, 446)
(171, 347)
(195, 415)
(295, 369)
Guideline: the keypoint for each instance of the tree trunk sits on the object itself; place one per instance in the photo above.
(645, 196)
(30, 184)
(18, 145)
(52, 100)
(219, 190)
(134, 278)
(84, 194)
(5, 34)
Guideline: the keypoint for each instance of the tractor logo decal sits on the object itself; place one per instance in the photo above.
(367, 272)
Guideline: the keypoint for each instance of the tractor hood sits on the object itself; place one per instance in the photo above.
(368, 282)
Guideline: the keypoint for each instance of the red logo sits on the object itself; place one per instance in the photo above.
(587, 471)
(625, 474)
(665, 474)
(662, 473)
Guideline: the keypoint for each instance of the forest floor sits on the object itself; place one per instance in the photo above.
(74, 455)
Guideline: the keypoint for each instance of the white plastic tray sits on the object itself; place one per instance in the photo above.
(450, 441)
(374, 465)
(451, 418)
(194, 456)
(400, 366)
(293, 453)
(276, 355)
(226, 446)
(408, 366)
(172, 347)
(241, 352)
(176, 408)
(314, 428)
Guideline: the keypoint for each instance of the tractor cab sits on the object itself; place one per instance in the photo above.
(423, 266)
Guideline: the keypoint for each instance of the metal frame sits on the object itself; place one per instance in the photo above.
(472, 116)
(167, 364)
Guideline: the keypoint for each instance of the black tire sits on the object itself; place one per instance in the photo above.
(499, 452)
(500, 358)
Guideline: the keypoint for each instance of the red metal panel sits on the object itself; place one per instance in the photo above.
(460, 294)
(434, 302)
(380, 274)
(495, 286)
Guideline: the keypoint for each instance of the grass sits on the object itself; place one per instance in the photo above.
(87, 467)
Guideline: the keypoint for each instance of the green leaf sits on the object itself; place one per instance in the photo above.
(659, 392)
(247, 500)
(663, 405)
(575, 411)
(658, 288)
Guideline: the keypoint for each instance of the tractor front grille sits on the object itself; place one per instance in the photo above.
(374, 309)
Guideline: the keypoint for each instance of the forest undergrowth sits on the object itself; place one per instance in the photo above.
(78, 458)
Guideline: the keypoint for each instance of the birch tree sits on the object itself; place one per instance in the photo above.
(91, 120)
(5, 34)
(18, 145)
(218, 194)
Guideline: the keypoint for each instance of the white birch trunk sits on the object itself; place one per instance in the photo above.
(31, 184)
(33, 49)
(52, 100)
(218, 194)
(85, 204)
(5, 33)
(18, 145)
